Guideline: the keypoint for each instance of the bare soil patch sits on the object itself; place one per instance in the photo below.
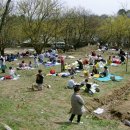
(116, 104)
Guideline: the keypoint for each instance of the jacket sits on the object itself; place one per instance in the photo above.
(77, 104)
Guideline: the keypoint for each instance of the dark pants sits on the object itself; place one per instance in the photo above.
(78, 117)
(62, 67)
(3, 71)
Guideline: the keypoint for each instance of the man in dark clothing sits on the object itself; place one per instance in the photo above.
(122, 58)
(80, 64)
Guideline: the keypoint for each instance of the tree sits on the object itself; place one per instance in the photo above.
(121, 12)
(79, 27)
(2, 24)
(37, 27)
(116, 30)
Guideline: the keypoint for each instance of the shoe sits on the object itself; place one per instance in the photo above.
(80, 122)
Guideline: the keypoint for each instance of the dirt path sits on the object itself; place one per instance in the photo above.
(116, 104)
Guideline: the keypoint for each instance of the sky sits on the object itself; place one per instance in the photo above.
(109, 7)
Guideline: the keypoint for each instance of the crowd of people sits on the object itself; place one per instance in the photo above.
(98, 64)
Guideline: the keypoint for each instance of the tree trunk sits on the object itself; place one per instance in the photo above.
(2, 51)
(3, 22)
(4, 15)
(38, 48)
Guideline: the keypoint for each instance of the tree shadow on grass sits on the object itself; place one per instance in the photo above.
(65, 123)
(31, 90)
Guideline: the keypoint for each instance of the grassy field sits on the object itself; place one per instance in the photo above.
(22, 109)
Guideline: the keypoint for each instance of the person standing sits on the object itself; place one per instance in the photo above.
(3, 65)
(35, 61)
(77, 104)
(62, 64)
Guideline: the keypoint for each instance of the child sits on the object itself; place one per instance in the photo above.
(39, 81)
(12, 72)
(35, 61)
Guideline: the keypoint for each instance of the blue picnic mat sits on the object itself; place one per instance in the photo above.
(107, 78)
(51, 64)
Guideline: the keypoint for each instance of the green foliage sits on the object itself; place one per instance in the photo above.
(115, 30)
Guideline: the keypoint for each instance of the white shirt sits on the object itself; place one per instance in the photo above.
(12, 72)
(71, 83)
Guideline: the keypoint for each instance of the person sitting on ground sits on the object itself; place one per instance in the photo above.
(12, 56)
(91, 60)
(122, 52)
(71, 83)
(109, 60)
(22, 64)
(80, 65)
(94, 71)
(39, 81)
(116, 60)
(84, 82)
(85, 61)
(12, 72)
(122, 58)
(93, 53)
(105, 72)
(86, 73)
(30, 64)
(100, 58)
(71, 70)
(90, 88)
(41, 58)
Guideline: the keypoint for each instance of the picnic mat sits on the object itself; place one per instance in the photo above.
(8, 77)
(108, 78)
(64, 74)
(51, 64)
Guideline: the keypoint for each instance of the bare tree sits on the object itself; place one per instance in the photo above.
(37, 15)
(2, 23)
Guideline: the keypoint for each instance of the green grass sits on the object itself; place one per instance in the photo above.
(48, 109)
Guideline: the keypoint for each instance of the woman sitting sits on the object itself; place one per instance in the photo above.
(109, 60)
(30, 64)
(105, 72)
(71, 70)
(80, 65)
(22, 64)
(94, 71)
(12, 72)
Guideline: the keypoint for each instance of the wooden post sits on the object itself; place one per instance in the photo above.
(126, 61)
